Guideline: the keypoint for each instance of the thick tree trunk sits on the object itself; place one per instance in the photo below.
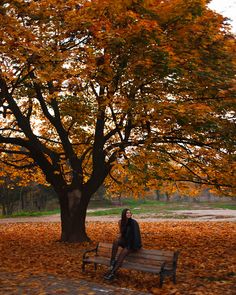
(73, 214)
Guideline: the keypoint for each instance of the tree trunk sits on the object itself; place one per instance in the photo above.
(158, 195)
(73, 206)
(4, 212)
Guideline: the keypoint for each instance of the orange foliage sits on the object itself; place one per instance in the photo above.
(160, 71)
(206, 264)
(107, 89)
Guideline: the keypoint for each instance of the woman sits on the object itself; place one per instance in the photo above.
(129, 240)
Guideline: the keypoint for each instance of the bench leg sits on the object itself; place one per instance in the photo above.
(174, 277)
(83, 267)
(161, 280)
(95, 266)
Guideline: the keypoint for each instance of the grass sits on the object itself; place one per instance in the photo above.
(158, 207)
(225, 206)
(113, 211)
(137, 207)
(136, 211)
(31, 214)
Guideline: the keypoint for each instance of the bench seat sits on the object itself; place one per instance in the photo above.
(161, 262)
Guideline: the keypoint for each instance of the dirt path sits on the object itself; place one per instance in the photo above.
(179, 215)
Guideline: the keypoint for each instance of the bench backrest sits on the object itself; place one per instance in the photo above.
(149, 256)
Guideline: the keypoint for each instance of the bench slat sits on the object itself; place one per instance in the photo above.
(104, 253)
(165, 253)
(150, 257)
(141, 267)
(139, 261)
(126, 264)
(144, 261)
(99, 260)
(136, 255)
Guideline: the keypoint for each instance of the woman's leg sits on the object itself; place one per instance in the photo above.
(116, 244)
(114, 250)
(124, 252)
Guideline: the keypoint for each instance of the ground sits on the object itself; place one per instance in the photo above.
(34, 263)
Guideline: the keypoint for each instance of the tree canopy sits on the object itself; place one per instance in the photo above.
(94, 91)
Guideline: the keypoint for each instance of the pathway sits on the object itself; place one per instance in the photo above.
(16, 284)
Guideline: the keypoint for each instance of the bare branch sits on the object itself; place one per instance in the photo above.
(14, 152)
(94, 90)
(27, 166)
(113, 178)
(15, 141)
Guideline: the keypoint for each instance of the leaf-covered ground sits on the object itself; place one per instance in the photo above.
(207, 262)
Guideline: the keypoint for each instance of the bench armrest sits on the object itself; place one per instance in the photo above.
(89, 251)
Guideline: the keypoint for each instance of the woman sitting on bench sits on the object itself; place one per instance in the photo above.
(129, 240)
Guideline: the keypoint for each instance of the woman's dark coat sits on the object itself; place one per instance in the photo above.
(131, 235)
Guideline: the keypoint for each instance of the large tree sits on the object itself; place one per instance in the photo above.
(91, 88)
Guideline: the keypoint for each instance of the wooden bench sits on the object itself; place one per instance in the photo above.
(160, 262)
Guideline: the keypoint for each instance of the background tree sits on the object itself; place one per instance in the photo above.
(17, 187)
(91, 86)
(7, 196)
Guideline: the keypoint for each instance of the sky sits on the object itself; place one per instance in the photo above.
(226, 8)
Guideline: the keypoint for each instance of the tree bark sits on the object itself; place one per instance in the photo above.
(73, 205)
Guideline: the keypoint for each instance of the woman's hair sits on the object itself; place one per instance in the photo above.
(124, 219)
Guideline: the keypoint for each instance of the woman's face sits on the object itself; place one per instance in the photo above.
(128, 214)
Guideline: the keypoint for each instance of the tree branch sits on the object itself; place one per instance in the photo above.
(27, 166)
(14, 152)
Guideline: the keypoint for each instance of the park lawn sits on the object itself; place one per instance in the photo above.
(207, 263)
(142, 206)
(159, 209)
